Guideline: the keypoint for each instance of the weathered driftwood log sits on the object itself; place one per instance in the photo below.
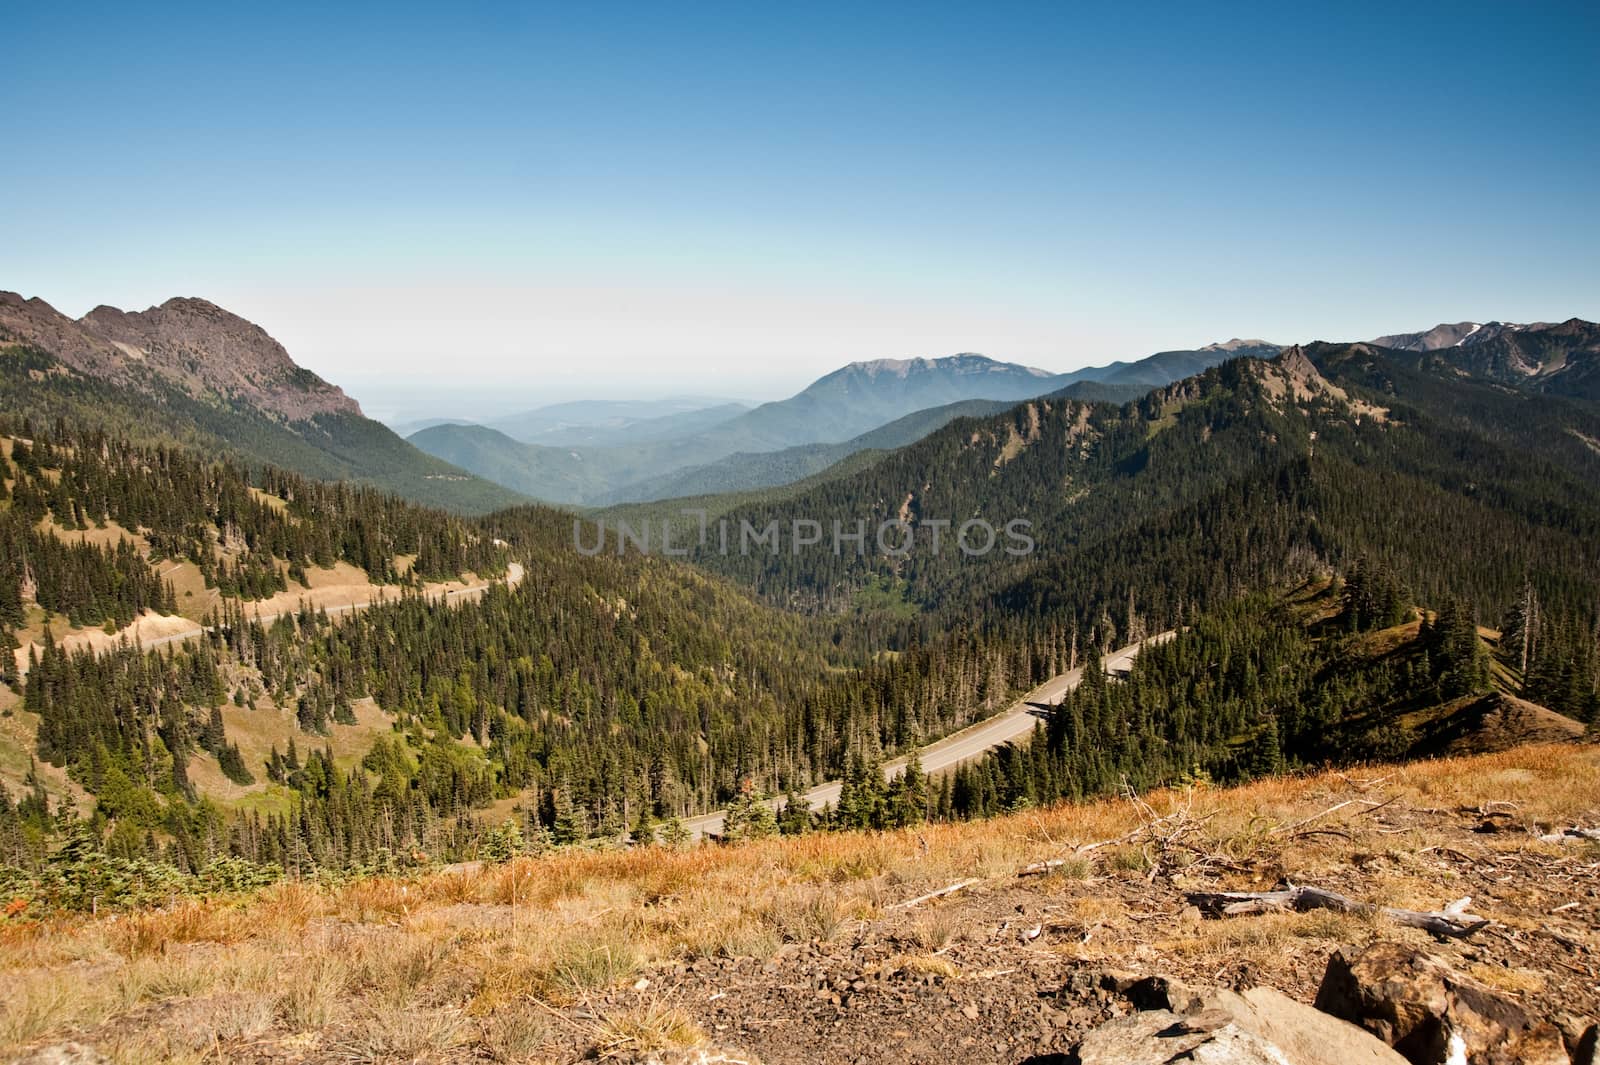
(1453, 921)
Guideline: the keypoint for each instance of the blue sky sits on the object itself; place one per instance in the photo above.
(452, 208)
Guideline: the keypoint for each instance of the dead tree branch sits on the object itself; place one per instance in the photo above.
(1453, 921)
(941, 893)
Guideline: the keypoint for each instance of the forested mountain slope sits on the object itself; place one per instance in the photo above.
(883, 404)
(99, 531)
(611, 691)
(1244, 476)
(1330, 672)
(190, 373)
(598, 690)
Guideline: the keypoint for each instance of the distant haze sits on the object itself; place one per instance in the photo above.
(523, 204)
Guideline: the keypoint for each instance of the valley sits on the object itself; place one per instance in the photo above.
(827, 534)
(877, 405)
(1013, 724)
(229, 679)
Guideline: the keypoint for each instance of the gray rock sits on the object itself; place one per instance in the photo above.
(1153, 1037)
(1219, 1027)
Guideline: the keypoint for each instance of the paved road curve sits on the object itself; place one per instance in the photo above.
(1014, 723)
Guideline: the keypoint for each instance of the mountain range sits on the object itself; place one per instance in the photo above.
(223, 383)
(1221, 480)
(884, 403)
(595, 422)
(1283, 515)
(1560, 359)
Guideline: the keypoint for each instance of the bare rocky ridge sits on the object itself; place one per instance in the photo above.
(1451, 335)
(35, 322)
(200, 348)
(190, 373)
(206, 348)
(1562, 358)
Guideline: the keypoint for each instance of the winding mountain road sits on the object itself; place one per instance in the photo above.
(1013, 723)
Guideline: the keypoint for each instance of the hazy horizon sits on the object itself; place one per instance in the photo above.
(450, 396)
(525, 205)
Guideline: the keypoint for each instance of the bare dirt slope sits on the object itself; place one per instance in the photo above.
(337, 590)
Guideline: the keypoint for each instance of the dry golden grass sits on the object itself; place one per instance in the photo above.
(379, 899)
(935, 929)
(514, 1032)
(1517, 981)
(474, 961)
(652, 1027)
(402, 1034)
(153, 931)
(929, 964)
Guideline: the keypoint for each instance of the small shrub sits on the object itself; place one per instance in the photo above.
(936, 929)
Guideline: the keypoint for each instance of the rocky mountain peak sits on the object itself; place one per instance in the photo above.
(1297, 364)
(1238, 344)
(966, 362)
(192, 343)
(1293, 379)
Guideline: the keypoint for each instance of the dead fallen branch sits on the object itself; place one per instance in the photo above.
(1041, 868)
(1293, 831)
(1363, 785)
(941, 893)
(1169, 841)
(1571, 835)
(1051, 864)
(1453, 921)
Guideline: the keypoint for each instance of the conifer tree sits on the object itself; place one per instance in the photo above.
(795, 817)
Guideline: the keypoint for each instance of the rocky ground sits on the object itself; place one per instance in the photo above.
(1021, 974)
(818, 952)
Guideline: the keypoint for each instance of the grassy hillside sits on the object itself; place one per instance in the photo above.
(790, 950)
